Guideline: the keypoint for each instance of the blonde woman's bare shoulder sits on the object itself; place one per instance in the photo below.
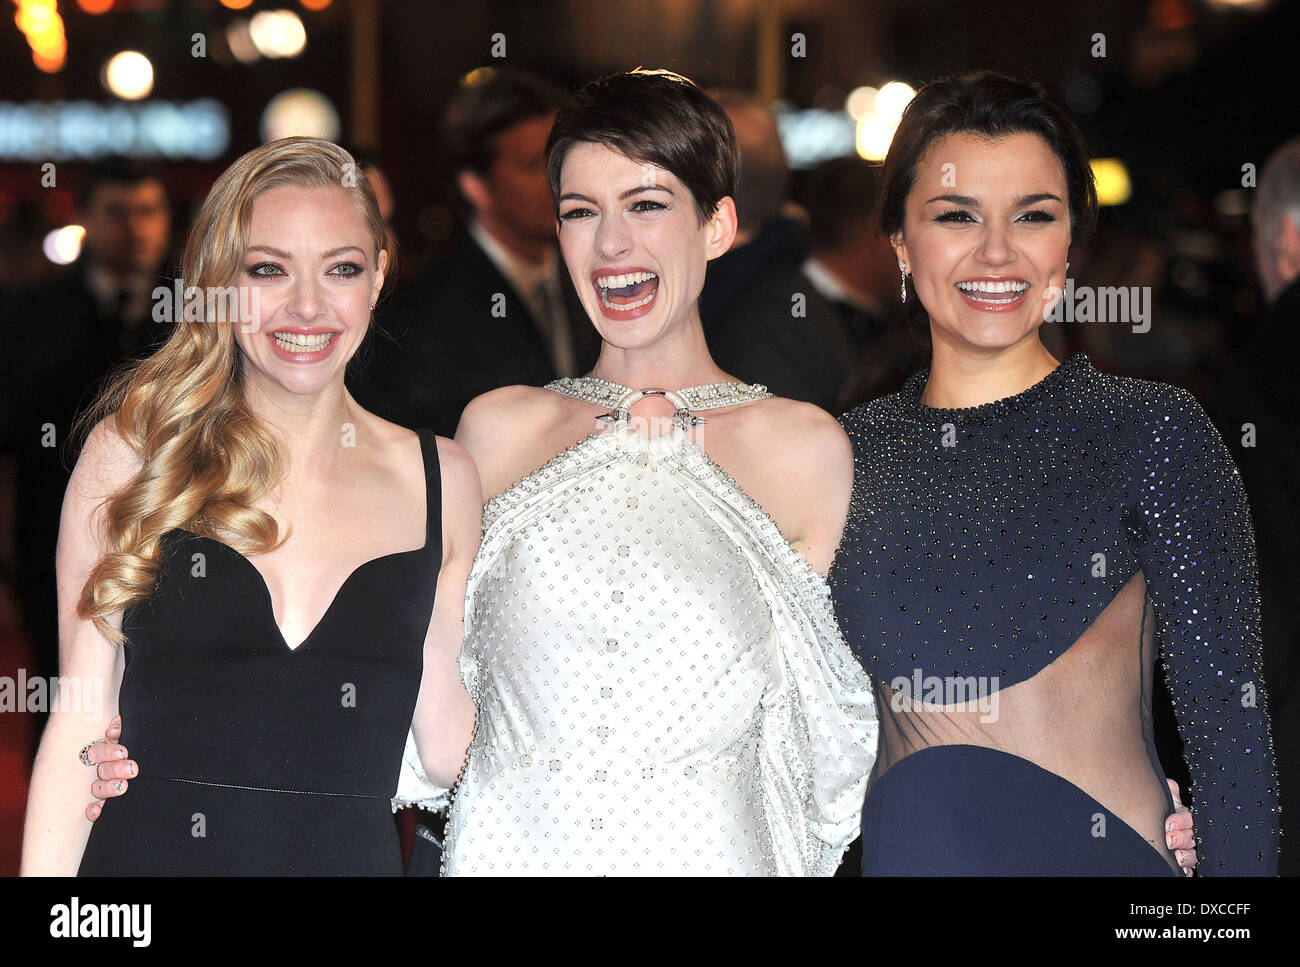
(462, 498)
(459, 471)
(105, 465)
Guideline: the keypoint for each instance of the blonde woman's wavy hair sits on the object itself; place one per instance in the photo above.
(205, 458)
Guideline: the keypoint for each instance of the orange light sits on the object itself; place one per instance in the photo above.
(95, 6)
(50, 64)
(235, 4)
(315, 4)
(39, 20)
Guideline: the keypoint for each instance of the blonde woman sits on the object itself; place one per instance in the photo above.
(244, 551)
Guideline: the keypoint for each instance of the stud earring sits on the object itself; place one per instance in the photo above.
(902, 285)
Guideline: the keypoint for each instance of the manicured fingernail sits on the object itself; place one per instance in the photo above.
(121, 754)
(1182, 858)
(1169, 826)
(118, 785)
(132, 770)
(1169, 841)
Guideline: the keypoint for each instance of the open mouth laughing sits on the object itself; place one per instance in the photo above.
(625, 293)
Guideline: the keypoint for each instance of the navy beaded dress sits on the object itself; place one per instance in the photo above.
(1008, 576)
(258, 759)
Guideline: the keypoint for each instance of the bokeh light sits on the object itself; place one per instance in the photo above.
(63, 245)
(300, 112)
(893, 98)
(1113, 185)
(861, 102)
(41, 24)
(129, 75)
(278, 33)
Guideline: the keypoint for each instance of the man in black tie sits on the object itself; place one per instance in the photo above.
(499, 309)
(61, 340)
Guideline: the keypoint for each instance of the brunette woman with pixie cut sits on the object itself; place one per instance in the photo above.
(1025, 536)
(661, 684)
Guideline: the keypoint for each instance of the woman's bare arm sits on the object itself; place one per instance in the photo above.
(56, 829)
(444, 715)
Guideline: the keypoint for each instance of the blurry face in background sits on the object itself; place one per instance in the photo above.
(311, 257)
(876, 262)
(633, 243)
(128, 227)
(986, 235)
(1277, 251)
(515, 191)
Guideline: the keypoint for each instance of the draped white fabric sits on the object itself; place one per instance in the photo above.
(662, 687)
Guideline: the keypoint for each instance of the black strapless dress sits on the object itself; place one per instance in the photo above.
(257, 759)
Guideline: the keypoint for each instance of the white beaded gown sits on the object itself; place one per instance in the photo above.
(661, 683)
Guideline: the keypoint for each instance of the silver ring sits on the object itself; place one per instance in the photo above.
(683, 418)
(85, 752)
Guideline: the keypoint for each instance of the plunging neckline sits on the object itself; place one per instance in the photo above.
(329, 610)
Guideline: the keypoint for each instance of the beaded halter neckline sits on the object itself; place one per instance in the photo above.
(709, 396)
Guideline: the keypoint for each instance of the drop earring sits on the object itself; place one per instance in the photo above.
(902, 285)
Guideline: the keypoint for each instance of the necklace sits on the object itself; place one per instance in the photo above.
(709, 396)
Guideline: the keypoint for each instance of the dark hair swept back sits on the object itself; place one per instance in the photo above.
(655, 117)
(993, 106)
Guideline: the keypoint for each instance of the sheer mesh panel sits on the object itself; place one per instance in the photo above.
(1085, 717)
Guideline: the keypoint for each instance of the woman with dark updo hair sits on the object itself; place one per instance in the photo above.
(1025, 536)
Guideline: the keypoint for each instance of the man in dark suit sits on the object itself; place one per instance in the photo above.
(763, 319)
(853, 268)
(499, 309)
(61, 340)
(1256, 406)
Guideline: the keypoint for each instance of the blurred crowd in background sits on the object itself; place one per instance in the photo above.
(104, 158)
